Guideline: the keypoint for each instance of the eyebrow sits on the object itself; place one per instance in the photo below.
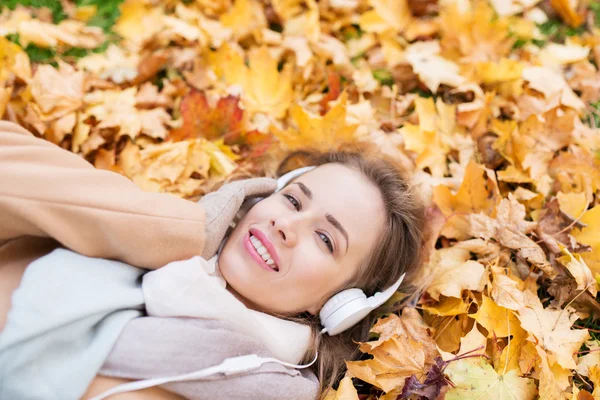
(330, 218)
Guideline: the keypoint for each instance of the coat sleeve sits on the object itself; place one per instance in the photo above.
(152, 347)
(47, 191)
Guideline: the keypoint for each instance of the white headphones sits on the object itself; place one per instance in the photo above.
(348, 307)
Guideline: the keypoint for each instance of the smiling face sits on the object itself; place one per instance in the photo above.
(314, 235)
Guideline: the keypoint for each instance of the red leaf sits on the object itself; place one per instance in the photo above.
(334, 85)
(199, 120)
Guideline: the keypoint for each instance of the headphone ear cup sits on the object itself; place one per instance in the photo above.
(344, 310)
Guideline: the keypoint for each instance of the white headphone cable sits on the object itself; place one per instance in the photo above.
(230, 366)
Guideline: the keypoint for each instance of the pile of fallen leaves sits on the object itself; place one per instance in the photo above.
(492, 106)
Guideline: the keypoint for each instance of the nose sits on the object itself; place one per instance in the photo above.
(285, 228)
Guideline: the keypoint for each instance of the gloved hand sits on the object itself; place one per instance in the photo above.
(222, 206)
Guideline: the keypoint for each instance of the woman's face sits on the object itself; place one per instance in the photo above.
(316, 232)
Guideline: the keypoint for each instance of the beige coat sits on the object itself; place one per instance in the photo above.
(51, 197)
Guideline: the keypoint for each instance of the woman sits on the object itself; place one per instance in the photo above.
(345, 224)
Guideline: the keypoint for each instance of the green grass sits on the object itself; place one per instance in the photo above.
(593, 117)
(107, 13)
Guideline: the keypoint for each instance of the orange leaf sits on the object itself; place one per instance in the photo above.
(200, 120)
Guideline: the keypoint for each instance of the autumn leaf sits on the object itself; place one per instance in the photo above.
(588, 235)
(404, 348)
(510, 228)
(478, 193)
(480, 380)
(345, 391)
(322, 132)
(552, 330)
(394, 360)
(264, 88)
(451, 271)
(57, 92)
(202, 120)
(497, 320)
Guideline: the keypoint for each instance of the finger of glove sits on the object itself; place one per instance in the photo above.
(259, 186)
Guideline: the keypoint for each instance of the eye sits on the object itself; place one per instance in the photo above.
(327, 242)
(294, 201)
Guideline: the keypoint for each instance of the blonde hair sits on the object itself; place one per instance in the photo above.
(399, 250)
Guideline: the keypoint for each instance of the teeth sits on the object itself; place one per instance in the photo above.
(260, 249)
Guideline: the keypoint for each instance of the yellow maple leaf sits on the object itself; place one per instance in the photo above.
(138, 21)
(386, 15)
(478, 193)
(478, 380)
(514, 352)
(475, 35)
(497, 320)
(244, 18)
(13, 60)
(447, 306)
(567, 12)
(434, 137)
(330, 131)
(264, 88)
(345, 391)
(502, 71)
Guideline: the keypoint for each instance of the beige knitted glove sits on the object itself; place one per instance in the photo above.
(222, 206)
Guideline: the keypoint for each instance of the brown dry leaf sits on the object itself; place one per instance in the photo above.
(395, 360)
(410, 325)
(588, 235)
(404, 348)
(510, 228)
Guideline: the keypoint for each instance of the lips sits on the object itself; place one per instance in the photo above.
(264, 239)
(247, 244)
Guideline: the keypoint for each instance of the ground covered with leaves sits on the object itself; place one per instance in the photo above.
(491, 106)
